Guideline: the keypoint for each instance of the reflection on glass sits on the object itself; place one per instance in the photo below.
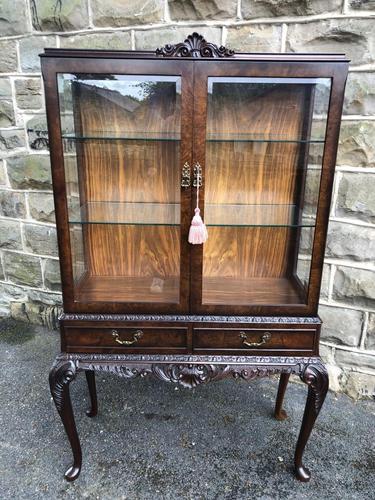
(264, 146)
(121, 154)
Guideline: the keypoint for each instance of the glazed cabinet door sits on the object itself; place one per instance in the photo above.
(120, 133)
(265, 138)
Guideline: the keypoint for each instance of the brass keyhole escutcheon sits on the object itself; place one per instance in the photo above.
(185, 176)
(263, 339)
(136, 336)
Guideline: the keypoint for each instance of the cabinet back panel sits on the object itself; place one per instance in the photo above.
(244, 166)
(129, 250)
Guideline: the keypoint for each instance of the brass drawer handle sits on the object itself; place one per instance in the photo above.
(263, 339)
(136, 336)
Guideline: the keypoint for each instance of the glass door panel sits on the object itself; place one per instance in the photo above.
(264, 148)
(121, 136)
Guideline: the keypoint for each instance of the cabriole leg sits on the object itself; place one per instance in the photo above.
(90, 377)
(61, 374)
(316, 377)
(280, 413)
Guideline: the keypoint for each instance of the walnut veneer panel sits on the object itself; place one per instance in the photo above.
(237, 291)
(127, 289)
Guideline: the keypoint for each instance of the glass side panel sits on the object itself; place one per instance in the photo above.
(264, 147)
(121, 138)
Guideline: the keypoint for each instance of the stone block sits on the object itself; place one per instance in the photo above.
(41, 240)
(42, 207)
(37, 313)
(3, 178)
(273, 8)
(10, 234)
(303, 273)
(155, 38)
(362, 4)
(118, 40)
(355, 360)
(13, 18)
(30, 172)
(49, 15)
(23, 269)
(5, 88)
(354, 37)
(311, 191)
(120, 13)
(360, 385)
(354, 286)
(27, 312)
(254, 38)
(45, 297)
(370, 334)
(37, 132)
(341, 326)
(30, 48)
(7, 118)
(12, 204)
(356, 197)
(324, 289)
(8, 294)
(12, 139)
(52, 279)
(29, 93)
(199, 9)
(346, 241)
(8, 56)
(357, 144)
(360, 94)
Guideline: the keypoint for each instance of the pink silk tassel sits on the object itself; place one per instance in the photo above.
(198, 232)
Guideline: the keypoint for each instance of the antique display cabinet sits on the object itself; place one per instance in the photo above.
(135, 139)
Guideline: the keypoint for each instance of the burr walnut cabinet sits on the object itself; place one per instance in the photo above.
(135, 138)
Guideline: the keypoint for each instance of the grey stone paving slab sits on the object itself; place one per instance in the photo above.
(153, 441)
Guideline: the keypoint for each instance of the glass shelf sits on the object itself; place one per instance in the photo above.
(107, 212)
(168, 214)
(123, 136)
(243, 137)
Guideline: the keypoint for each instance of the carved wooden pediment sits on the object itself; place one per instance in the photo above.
(194, 46)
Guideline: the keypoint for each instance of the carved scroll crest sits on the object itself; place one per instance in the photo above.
(194, 46)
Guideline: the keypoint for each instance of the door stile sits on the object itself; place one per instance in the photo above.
(199, 155)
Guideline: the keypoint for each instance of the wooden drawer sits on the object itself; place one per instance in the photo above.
(253, 339)
(125, 339)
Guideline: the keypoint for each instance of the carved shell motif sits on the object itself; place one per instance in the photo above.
(194, 46)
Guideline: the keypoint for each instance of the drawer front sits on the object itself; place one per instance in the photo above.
(130, 339)
(253, 339)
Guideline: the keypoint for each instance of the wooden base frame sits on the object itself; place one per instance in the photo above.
(188, 371)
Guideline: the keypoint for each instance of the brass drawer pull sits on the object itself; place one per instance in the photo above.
(136, 336)
(263, 339)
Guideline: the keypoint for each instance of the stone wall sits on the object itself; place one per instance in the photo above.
(29, 273)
